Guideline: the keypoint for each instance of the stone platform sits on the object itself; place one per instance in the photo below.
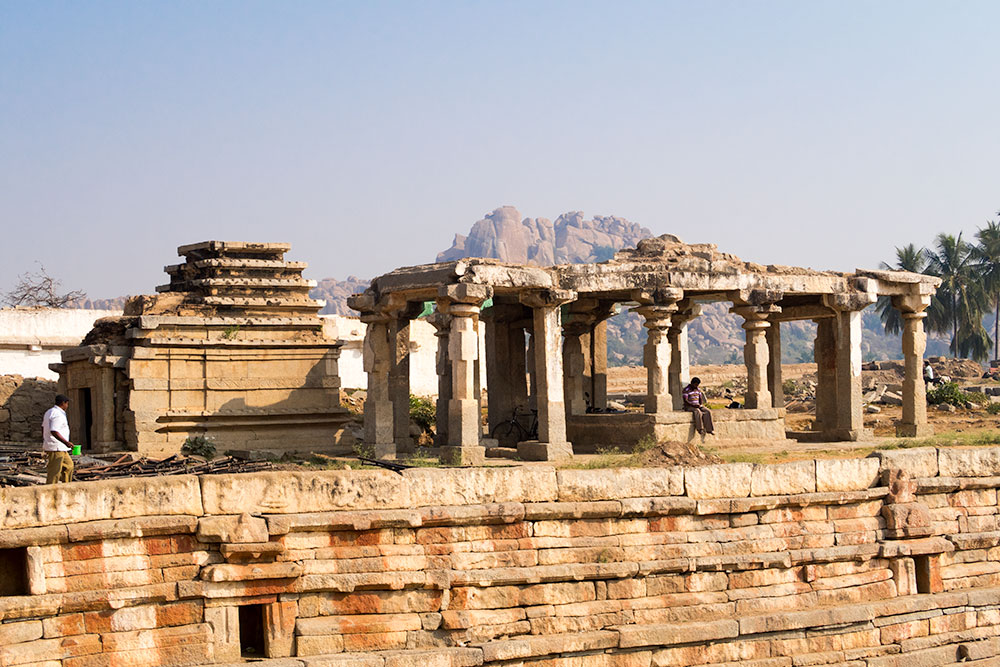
(623, 430)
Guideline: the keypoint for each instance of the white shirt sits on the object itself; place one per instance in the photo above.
(54, 420)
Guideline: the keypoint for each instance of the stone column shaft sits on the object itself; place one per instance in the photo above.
(399, 382)
(549, 375)
(914, 422)
(774, 381)
(824, 351)
(574, 367)
(463, 351)
(656, 358)
(679, 372)
(755, 354)
(850, 422)
(442, 326)
(599, 365)
(378, 417)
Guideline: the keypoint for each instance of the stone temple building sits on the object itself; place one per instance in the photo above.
(231, 348)
(546, 347)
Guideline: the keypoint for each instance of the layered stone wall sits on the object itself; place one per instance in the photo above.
(842, 562)
(23, 402)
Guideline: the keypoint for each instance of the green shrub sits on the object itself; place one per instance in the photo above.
(198, 445)
(993, 408)
(423, 412)
(790, 387)
(947, 393)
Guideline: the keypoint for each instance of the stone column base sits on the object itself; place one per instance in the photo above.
(533, 450)
(914, 430)
(383, 450)
(463, 456)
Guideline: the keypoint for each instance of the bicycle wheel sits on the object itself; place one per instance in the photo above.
(506, 433)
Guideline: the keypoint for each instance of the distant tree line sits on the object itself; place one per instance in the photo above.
(970, 288)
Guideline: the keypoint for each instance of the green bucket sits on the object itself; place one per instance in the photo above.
(76, 450)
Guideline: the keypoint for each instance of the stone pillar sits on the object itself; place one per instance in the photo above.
(105, 411)
(399, 382)
(679, 372)
(914, 421)
(656, 358)
(529, 360)
(462, 303)
(378, 417)
(505, 373)
(574, 367)
(824, 351)
(773, 339)
(442, 327)
(755, 353)
(599, 365)
(547, 338)
(850, 424)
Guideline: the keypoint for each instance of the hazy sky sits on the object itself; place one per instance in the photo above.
(366, 134)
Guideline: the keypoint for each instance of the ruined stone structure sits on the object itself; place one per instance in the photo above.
(888, 561)
(232, 348)
(550, 324)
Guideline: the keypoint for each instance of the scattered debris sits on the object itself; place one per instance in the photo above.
(674, 453)
(20, 467)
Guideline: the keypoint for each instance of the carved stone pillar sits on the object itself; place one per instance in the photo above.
(914, 421)
(680, 367)
(599, 365)
(399, 381)
(825, 353)
(576, 346)
(462, 303)
(547, 338)
(773, 339)
(377, 358)
(505, 372)
(656, 358)
(442, 329)
(850, 418)
(755, 354)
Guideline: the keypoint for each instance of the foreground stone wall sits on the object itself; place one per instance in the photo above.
(842, 562)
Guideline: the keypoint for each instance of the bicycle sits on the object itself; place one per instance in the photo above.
(512, 431)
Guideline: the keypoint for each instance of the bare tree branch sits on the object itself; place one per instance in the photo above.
(40, 289)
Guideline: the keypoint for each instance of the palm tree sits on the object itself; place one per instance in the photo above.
(986, 256)
(958, 306)
(908, 258)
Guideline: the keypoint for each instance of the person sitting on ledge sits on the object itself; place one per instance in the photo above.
(694, 401)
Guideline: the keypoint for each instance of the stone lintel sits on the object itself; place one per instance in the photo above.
(849, 301)
(662, 296)
(755, 297)
(546, 298)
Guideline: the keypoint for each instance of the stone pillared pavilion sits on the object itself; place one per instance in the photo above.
(546, 346)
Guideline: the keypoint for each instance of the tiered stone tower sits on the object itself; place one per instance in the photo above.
(232, 348)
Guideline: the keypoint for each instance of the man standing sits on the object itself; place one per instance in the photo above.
(55, 441)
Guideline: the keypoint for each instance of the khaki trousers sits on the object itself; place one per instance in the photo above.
(60, 468)
(702, 418)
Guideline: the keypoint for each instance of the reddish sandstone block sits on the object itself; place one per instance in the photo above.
(64, 626)
(375, 641)
(893, 634)
(357, 624)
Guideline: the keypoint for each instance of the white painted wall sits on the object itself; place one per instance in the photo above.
(33, 338)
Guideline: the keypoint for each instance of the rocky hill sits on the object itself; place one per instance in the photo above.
(571, 239)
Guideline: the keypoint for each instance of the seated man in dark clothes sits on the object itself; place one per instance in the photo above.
(694, 401)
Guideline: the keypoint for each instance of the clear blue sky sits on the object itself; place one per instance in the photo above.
(366, 134)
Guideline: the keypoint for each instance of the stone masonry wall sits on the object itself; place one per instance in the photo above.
(881, 562)
(23, 402)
